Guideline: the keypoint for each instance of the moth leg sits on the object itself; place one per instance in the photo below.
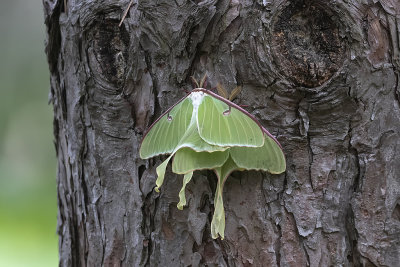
(213, 89)
(186, 91)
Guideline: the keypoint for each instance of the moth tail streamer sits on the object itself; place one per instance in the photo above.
(161, 173)
(182, 197)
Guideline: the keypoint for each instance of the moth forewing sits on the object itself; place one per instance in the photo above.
(219, 127)
(165, 133)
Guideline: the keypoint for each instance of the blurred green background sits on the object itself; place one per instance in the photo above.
(28, 203)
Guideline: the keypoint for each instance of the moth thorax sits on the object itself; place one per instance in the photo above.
(196, 98)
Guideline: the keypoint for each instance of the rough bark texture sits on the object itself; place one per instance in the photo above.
(323, 76)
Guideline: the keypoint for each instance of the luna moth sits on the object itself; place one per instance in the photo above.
(204, 130)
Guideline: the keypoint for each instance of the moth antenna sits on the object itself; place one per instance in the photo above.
(222, 91)
(235, 92)
(194, 82)
(203, 81)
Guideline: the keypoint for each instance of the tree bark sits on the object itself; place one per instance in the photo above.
(322, 76)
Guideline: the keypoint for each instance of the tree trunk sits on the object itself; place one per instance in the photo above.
(322, 76)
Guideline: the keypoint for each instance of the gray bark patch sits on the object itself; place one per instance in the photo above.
(307, 44)
(108, 51)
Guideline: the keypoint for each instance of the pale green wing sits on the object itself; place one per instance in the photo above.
(268, 158)
(187, 160)
(188, 140)
(225, 125)
(218, 220)
(182, 198)
(165, 134)
(191, 139)
(175, 129)
(161, 173)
